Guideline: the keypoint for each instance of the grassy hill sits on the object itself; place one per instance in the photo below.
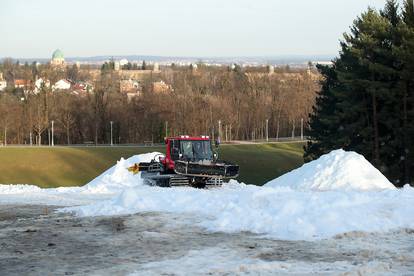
(70, 166)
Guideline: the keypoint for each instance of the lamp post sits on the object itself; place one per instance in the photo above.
(53, 140)
(267, 130)
(301, 129)
(112, 143)
(219, 130)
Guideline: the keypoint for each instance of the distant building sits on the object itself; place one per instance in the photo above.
(193, 67)
(130, 86)
(39, 84)
(117, 66)
(132, 95)
(156, 67)
(82, 88)
(3, 85)
(123, 62)
(270, 69)
(161, 87)
(61, 85)
(25, 85)
(20, 83)
(57, 58)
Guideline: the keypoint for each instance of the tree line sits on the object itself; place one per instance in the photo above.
(245, 101)
(366, 103)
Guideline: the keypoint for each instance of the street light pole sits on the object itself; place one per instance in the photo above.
(112, 143)
(267, 130)
(53, 142)
(301, 129)
(219, 130)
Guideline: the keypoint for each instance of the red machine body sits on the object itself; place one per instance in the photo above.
(188, 160)
(168, 161)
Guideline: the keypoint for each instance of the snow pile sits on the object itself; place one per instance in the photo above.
(356, 197)
(291, 210)
(338, 170)
(18, 189)
(281, 212)
(118, 177)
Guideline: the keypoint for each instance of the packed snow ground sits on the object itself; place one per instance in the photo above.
(338, 193)
(204, 262)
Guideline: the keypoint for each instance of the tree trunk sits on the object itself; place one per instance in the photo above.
(405, 136)
(277, 130)
(67, 135)
(96, 133)
(5, 136)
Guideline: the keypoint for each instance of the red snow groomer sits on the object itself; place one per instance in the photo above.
(187, 161)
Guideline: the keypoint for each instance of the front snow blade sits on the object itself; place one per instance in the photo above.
(145, 166)
(206, 169)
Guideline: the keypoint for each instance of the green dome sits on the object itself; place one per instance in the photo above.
(57, 54)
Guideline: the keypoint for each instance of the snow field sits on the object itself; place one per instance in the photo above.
(280, 213)
(338, 193)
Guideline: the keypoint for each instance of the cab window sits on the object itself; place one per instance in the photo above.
(175, 149)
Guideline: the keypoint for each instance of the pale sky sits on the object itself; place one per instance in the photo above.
(202, 28)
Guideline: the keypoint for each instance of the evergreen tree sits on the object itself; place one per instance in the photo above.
(323, 119)
(405, 56)
(365, 103)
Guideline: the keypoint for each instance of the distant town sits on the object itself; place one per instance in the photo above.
(134, 69)
(81, 98)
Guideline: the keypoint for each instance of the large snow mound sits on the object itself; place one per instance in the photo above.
(279, 212)
(291, 211)
(337, 170)
(118, 177)
(357, 197)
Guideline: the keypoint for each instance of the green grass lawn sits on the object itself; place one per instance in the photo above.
(263, 162)
(69, 166)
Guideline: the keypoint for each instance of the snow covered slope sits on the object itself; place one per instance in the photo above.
(355, 197)
(278, 212)
(337, 170)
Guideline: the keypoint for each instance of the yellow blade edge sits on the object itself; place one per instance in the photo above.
(134, 168)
